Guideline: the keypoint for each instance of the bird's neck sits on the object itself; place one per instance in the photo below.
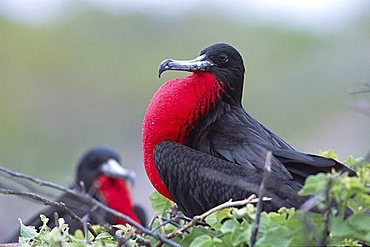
(232, 80)
(116, 195)
(174, 110)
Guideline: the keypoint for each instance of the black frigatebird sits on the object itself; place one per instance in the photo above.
(103, 176)
(201, 148)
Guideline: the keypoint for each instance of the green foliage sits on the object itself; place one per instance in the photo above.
(347, 222)
(160, 203)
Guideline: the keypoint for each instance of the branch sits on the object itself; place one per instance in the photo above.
(38, 181)
(228, 204)
(311, 202)
(326, 232)
(87, 199)
(266, 175)
(142, 241)
(60, 205)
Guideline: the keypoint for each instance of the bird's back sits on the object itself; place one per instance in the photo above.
(237, 137)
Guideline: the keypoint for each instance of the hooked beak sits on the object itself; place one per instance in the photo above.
(200, 63)
(114, 170)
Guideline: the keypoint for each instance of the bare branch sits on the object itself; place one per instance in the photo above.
(311, 202)
(328, 200)
(261, 192)
(142, 241)
(60, 205)
(87, 199)
(196, 219)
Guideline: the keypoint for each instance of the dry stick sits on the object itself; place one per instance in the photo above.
(327, 212)
(86, 198)
(60, 205)
(142, 241)
(171, 221)
(85, 225)
(266, 174)
(161, 226)
(228, 204)
(311, 202)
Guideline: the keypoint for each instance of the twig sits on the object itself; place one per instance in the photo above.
(261, 192)
(171, 221)
(87, 199)
(311, 202)
(60, 205)
(230, 203)
(56, 217)
(328, 200)
(161, 225)
(38, 181)
(85, 219)
(142, 241)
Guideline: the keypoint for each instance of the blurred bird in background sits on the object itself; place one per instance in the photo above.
(99, 173)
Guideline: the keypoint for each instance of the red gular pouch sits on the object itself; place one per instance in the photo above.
(117, 196)
(172, 111)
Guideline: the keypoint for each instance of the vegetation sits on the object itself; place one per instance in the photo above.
(341, 218)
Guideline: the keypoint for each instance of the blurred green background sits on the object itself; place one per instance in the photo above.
(86, 76)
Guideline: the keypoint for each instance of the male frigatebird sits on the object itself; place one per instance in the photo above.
(103, 176)
(201, 148)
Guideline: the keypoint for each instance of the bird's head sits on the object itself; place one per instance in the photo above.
(221, 59)
(102, 161)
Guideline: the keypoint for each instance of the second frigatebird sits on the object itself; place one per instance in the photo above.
(104, 178)
(201, 148)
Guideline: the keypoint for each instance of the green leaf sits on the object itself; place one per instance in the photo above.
(202, 241)
(276, 236)
(212, 221)
(240, 212)
(160, 203)
(79, 234)
(360, 222)
(104, 236)
(340, 228)
(194, 233)
(241, 235)
(229, 226)
(329, 154)
(27, 231)
(76, 244)
(215, 219)
(224, 214)
(314, 185)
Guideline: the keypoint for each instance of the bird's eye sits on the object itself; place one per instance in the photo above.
(223, 57)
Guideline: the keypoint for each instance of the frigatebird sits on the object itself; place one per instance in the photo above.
(99, 173)
(201, 148)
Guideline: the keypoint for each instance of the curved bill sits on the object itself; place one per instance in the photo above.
(114, 170)
(201, 63)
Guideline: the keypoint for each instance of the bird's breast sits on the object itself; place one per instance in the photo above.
(173, 109)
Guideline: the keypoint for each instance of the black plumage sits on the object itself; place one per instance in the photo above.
(232, 146)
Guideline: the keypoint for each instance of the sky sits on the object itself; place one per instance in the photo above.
(317, 15)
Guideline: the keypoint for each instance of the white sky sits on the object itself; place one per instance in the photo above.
(312, 14)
